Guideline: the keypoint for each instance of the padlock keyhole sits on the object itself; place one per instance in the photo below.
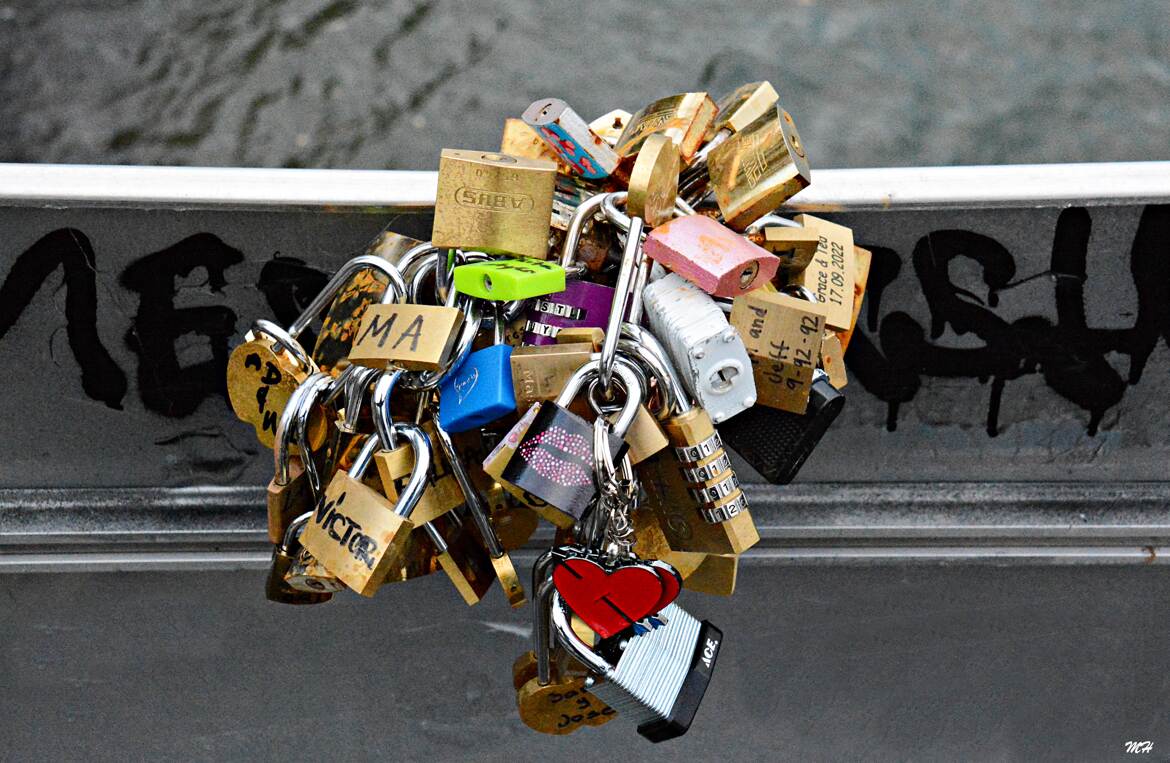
(487, 283)
(722, 379)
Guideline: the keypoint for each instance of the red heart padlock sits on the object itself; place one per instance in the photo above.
(610, 601)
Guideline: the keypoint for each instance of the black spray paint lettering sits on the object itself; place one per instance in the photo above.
(1068, 354)
(164, 386)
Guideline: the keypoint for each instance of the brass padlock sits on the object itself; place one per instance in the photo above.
(831, 273)
(694, 491)
(758, 168)
(609, 126)
(442, 492)
(736, 110)
(366, 287)
(284, 556)
(794, 244)
(522, 140)
(654, 180)
(414, 337)
(493, 203)
(461, 556)
(783, 337)
(356, 532)
(540, 373)
(683, 118)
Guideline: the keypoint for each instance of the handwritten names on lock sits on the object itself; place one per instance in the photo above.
(831, 273)
(259, 387)
(355, 534)
(783, 338)
(413, 337)
(540, 373)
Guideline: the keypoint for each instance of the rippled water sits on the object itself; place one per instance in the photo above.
(384, 84)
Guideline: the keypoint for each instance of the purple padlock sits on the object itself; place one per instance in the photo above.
(581, 305)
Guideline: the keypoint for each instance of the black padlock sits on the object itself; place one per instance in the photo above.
(776, 443)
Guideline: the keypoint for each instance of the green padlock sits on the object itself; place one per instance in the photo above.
(512, 279)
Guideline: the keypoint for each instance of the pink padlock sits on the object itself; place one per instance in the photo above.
(713, 257)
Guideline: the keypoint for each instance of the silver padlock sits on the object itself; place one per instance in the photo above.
(656, 679)
(708, 352)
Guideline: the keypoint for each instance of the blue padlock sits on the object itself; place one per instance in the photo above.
(480, 390)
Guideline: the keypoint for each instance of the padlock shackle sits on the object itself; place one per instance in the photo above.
(291, 421)
(633, 259)
(563, 628)
(581, 215)
(770, 219)
(642, 345)
(290, 533)
(542, 630)
(629, 378)
(475, 503)
(395, 291)
(284, 341)
(409, 495)
(380, 408)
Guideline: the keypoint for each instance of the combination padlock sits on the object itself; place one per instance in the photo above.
(480, 390)
(656, 679)
(700, 505)
(705, 348)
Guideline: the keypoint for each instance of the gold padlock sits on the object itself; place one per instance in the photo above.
(442, 492)
(540, 373)
(494, 203)
(683, 118)
(861, 262)
(461, 556)
(521, 140)
(609, 126)
(831, 273)
(741, 107)
(758, 168)
(783, 336)
(356, 532)
(413, 337)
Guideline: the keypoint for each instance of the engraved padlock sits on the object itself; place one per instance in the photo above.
(736, 110)
(656, 679)
(683, 118)
(263, 371)
(758, 168)
(570, 137)
(493, 203)
(708, 352)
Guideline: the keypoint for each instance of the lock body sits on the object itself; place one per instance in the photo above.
(504, 280)
(581, 304)
(742, 106)
(479, 391)
(783, 336)
(493, 203)
(758, 168)
(706, 350)
(540, 373)
(442, 493)
(414, 337)
(261, 376)
(609, 126)
(831, 273)
(777, 443)
(794, 246)
(570, 137)
(683, 118)
(711, 256)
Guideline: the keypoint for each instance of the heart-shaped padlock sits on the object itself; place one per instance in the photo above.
(612, 597)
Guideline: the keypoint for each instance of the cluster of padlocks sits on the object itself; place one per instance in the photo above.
(599, 309)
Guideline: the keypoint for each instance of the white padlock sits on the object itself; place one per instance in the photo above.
(709, 353)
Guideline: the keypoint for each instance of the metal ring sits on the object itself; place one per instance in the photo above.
(581, 214)
(632, 256)
(339, 279)
(771, 219)
(380, 407)
(283, 340)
